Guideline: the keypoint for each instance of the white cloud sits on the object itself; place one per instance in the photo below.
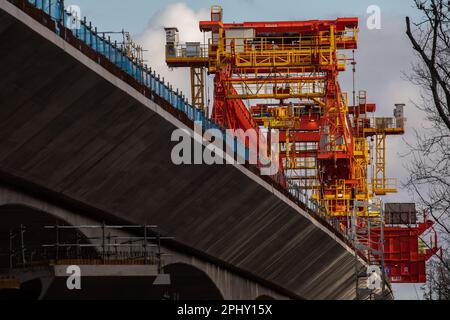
(153, 39)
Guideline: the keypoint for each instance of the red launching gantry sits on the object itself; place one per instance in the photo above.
(287, 73)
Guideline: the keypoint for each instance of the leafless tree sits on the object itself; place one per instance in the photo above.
(430, 152)
(438, 285)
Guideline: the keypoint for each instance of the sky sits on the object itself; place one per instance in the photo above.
(384, 56)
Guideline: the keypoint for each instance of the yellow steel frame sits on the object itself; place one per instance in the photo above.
(292, 67)
(381, 128)
(272, 55)
(262, 68)
(276, 52)
(262, 90)
(361, 162)
(380, 184)
(198, 89)
(379, 179)
(303, 60)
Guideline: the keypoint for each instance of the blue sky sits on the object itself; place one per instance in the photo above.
(134, 14)
(384, 56)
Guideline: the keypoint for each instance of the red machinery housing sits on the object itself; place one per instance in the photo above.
(405, 254)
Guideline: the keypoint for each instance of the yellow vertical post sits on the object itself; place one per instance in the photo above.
(198, 89)
(380, 164)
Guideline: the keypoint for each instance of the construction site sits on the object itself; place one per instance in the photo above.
(95, 158)
(332, 147)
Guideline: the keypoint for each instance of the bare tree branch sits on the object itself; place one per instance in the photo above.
(429, 154)
(430, 57)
